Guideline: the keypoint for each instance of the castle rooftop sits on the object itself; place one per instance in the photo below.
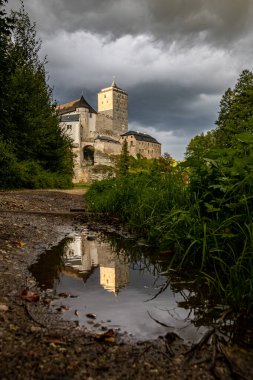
(113, 87)
(72, 106)
(141, 136)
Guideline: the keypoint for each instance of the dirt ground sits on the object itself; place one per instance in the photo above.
(36, 344)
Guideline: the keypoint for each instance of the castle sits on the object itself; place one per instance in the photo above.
(98, 135)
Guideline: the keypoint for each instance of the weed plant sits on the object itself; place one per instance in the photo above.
(140, 200)
(207, 224)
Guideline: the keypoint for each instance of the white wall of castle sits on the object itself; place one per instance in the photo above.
(72, 130)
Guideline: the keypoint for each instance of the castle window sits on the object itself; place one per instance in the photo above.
(104, 96)
(90, 114)
(69, 126)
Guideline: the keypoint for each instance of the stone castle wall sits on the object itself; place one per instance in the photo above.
(97, 135)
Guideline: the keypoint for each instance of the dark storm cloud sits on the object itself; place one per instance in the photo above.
(170, 107)
(215, 21)
(175, 58)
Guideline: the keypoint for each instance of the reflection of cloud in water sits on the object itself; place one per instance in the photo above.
(82, 255)
(91, 268)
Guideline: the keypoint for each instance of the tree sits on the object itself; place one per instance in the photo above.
(199, 146)
(236, 111)
(5, 31)
(124, 159)
(30, 137)
(34, 130)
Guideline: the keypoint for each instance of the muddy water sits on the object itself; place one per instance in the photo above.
(103, 281)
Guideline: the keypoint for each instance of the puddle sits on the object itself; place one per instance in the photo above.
(118, 282)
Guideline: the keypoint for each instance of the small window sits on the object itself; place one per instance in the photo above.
(104, 96)
(69, 126)
(90, 114)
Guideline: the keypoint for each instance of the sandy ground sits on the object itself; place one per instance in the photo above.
(36, 344)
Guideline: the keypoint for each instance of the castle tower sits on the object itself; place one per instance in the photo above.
(113, 110)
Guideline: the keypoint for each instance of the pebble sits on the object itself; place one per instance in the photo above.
(35, 329)
(4, 308)
(91, 316)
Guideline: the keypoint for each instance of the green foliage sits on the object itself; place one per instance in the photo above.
(140, 200)
(236, 111)
(199, 146)
(5, 30)
(27, 174)
(124, 160)
(221, 178)
(8, 166)
(29, 126)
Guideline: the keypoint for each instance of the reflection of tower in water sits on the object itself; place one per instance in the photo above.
(82, 255)
(113, 271)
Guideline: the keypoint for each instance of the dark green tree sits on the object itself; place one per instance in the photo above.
(33, 150)
(124, 160)
(236, 111)
(34, 130)
(5, 31)
(199, 146)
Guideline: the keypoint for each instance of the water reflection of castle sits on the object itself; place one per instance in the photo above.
(81, 256)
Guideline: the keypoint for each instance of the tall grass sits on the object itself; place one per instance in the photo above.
(140, 200)
(215, 242)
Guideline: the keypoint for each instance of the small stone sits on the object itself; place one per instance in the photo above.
(3, 308)
(63, 295)
(35, 329)
(91, 316)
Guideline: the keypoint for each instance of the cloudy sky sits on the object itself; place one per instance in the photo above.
(174, 58)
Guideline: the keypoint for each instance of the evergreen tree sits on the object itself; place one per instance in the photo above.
(236, 111)
(34, 152)
(5, 30)
(124, 159)
(34, 130)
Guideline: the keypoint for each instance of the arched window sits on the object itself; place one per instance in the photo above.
(88, 154)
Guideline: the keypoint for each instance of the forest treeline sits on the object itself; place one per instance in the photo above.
(33, 151)
(199, 211)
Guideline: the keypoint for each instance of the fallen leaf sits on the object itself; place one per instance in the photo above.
(13, 328)
(111, 339)
(19, 244)
(30, 296)
(108, 336)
